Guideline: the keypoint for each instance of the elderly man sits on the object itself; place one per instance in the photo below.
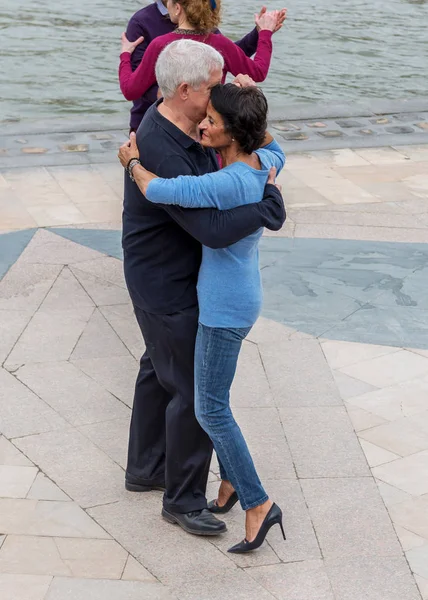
(162, 255)
(152, 21)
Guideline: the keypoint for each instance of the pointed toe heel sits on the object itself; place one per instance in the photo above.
(221, 510)
(273, 517)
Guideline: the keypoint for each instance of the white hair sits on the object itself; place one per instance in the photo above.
(186, 61)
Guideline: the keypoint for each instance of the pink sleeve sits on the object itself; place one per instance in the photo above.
(236, 61)
(134, 84)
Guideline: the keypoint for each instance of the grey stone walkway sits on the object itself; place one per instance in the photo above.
(338, 428)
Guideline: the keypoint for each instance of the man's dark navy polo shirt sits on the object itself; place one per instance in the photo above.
(162, 243)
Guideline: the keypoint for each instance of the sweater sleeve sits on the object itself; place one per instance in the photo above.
(248, 43)
(134, 84)
(272, 155)
(237, 62)
(213, 190)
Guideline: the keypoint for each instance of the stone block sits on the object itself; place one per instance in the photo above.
(121, 317)
(162, 548)
(374, 577)
(412, 515)
(236, 585)
(41, 518)
(90, 478)
(45, 489)
(92, 559)
(11, 456)
(111, 437)
(250, 387)
(286, 361)
(74, 395)
(376, 455)
(395, 402)
(50, 336)
(15, 482)
(350, 518)
(101, 589)
(409, 474)
(323, 443)
(66, 294)
(134, 571)
(295, 581)
(102, 292)
(388, 370)
(22, 412)
(301, 543)
(33, 555)
(61, 214)
(98, 340)
(47, 247)
(24, 286)
(349, 387)
(116, 374)
(402, 437)
(24, 587)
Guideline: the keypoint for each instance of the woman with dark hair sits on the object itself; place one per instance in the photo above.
(198, 20)
(229, 285)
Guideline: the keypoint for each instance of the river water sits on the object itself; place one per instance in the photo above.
(60, 57)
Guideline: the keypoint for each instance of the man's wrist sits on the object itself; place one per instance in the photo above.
(131, 164)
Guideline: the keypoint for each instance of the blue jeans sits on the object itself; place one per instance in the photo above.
(216, 356)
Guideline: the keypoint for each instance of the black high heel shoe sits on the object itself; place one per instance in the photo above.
(273, 517)
(221, 510)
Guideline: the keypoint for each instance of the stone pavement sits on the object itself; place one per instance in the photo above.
(331, 392)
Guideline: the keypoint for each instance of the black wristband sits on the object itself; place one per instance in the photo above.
(129, 161)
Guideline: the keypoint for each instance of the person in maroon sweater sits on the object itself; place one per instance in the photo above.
(153, 21)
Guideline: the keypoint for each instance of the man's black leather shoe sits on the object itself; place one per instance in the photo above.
(198, 522)
(132, 484)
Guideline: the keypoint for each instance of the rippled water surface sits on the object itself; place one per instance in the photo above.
(60, 57)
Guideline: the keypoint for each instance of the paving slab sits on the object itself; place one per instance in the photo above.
(22, 412)
(350, 518)
(45, 489)
(102, 292)
(90, 478)
(334, 450)
(11, 456)
(161, 547)
(295, 581)
(98, 340)
(374, 577)
(42, 518)
(71, 393)
(316, 388)
(24, 587)
(122, 319)
(117, 374)
(85, 589)
(15, 482)
(409, 474)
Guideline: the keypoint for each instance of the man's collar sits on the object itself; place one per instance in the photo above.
(162, 8)
(182, 138)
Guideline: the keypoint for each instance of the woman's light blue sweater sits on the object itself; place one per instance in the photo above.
(229, 283)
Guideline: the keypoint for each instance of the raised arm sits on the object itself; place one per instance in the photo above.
(248, 43)
(134, 84)
(272, 155)
(257, 68)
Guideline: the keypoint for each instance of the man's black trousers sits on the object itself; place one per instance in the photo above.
(166, 443)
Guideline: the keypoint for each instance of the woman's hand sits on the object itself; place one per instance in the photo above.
(282, 15)
(267, 21)
(128, 150)
(244, 81)
(128, 46)
(271, 178)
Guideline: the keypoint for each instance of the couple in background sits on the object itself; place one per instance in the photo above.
(162, 235)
